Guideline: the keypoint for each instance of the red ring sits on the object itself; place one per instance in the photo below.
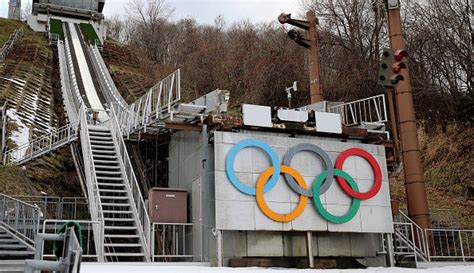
(375, 167)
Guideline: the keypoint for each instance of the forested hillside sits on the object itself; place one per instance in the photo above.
(257, 61)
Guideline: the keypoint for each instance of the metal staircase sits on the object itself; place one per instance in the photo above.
(121, 229)
(114, 199)
(44, 144)
(12, 247)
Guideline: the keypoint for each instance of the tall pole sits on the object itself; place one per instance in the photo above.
(417, 202)
(314, 69)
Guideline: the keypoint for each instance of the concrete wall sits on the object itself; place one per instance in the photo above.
(191, 166)
(238, 211)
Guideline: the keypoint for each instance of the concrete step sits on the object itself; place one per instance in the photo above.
(14, 247)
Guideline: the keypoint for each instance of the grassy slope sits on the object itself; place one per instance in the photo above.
(6, 29)
(54, 174)
(448, 161)
(89, 33)
(57, 28)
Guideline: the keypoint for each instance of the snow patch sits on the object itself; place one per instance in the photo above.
(150, 268)
(21, 136)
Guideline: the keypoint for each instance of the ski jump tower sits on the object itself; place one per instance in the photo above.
(14, 9)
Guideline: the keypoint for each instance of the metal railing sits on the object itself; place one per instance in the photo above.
(3, 127)
(20, 217)
(369, 110)
(8, 46)
(415, 239)
(105, 80)
(138, 205)
(74, 87)
(51, 207)
(90, 247)
(43, 144)
(169, 241)
(69, 260)
(450, 244)
(156, 104)
(53, 38)
(95, 203)
(70, 100)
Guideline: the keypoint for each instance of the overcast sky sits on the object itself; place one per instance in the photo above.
(204, 11)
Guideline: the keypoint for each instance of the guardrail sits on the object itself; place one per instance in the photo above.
(90, 247)
(95, 203)
(8, 46)
(169, 241)
(76, 94)
(69, 260)
(52, 207)
(105, 80)
(43, 144)
(138, 205)
(156, 104)
(450, 244)
(368, 110)
(20, 217)
(416, 239)
(3, 127)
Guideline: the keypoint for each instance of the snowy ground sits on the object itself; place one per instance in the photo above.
(147, 268)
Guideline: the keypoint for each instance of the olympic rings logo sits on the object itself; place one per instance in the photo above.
(269, 178)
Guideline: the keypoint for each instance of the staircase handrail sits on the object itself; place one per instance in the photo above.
(138, 204)
(76, 95)
(47, 142)
(367, 110)
(158, 99)
(421, 243)
(104, 75)
(10, 43)
(21, 218)
(95, 202)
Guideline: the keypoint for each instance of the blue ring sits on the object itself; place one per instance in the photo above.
(229, 166)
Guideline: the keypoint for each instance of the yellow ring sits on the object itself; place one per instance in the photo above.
(262, 204)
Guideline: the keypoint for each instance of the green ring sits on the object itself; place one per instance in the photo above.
(319, 206)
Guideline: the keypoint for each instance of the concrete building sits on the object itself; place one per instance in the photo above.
(75, 11)
(14, 9)
(218, 169)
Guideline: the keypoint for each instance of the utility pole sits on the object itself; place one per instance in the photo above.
(417, 202)
(314, 68)
(311, 42)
